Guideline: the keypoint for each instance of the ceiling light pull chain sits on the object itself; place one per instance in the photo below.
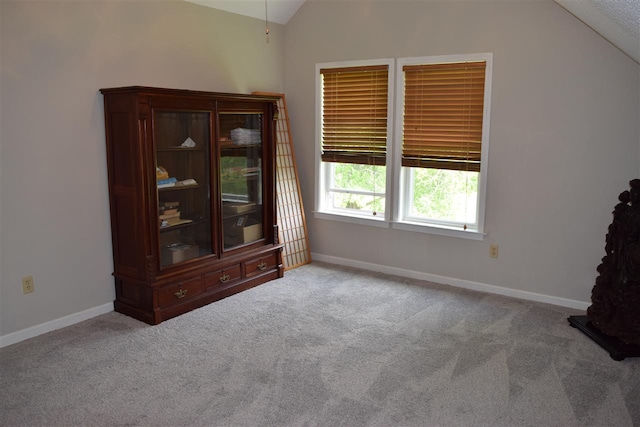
(266, 20)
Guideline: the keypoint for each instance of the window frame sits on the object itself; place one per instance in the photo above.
(324, 169)
(396, 190)
(401, 189)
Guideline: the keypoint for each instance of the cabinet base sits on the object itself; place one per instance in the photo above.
(160, 314)
(131, 311)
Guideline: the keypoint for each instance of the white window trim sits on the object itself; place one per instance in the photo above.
(440, 230)
(352, 219)
(394, 168)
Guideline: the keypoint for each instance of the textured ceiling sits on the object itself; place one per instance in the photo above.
(616, 20)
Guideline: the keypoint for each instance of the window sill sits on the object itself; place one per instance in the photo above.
(352, 219)
(413, 227)
(439, 230)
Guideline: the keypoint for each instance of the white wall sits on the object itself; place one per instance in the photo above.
(564, 135)
(56, 55)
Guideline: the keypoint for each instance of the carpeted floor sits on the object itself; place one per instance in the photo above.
(325, 346)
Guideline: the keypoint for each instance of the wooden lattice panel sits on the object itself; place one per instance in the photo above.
(292, 227)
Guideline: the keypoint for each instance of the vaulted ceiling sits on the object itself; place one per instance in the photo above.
(616, 20)
(279, 11)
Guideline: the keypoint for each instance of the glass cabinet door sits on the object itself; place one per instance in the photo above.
(241, 178)
(182, 148)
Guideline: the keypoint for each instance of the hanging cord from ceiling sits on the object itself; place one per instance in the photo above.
(266, 21)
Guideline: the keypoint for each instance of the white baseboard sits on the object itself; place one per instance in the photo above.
(459, 283)
(72, 319)
(62, 322)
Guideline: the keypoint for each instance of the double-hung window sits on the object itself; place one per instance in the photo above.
(354, 127)
(442, 140)
(425, 170)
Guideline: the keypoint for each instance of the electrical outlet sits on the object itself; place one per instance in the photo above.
(27, 284)
(493, 251)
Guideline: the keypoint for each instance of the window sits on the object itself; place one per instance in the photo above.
(355, 124)
(438, 179)
(442, 138)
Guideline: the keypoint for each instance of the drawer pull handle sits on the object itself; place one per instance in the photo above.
(262, 266)
(181, 293)
(224, 278)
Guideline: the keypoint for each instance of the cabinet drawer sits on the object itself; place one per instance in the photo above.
(258, 265)
(222, 276)
(179, 291)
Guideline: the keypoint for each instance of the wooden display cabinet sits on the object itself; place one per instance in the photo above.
(192, 197)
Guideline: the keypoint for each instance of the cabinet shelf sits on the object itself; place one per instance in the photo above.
(190, 223)
(225, 145)
(235, 150)
(179, 149)
(245, 178)
(228, 215)
(179, 188)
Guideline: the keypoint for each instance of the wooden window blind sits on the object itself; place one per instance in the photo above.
(443, 114)
(354, 116)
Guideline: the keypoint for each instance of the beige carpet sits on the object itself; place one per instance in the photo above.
(325, 346)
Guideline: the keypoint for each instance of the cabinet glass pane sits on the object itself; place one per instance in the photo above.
(241, 178)
(182, 174)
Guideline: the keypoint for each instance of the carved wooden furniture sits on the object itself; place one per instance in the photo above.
(613, 319)
(192, 197)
